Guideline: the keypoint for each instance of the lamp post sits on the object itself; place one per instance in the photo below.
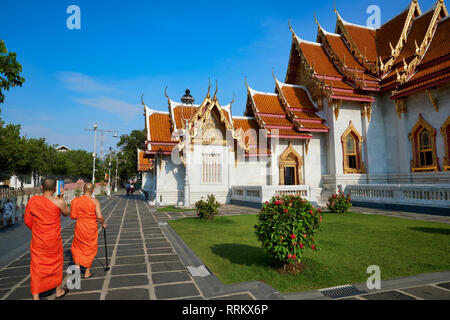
(109, 172)
(187, 102)
(94, 155)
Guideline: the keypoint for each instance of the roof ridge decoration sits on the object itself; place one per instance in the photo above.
(304, 62)
(421, 50)
(360, 57)
(395, 52)
(341, 65)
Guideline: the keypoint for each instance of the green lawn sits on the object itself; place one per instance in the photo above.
(349, 244)
(172, 209)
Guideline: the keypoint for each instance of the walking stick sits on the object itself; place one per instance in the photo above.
(106, 250)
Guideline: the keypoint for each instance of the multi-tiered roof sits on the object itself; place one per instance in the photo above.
(406, 54)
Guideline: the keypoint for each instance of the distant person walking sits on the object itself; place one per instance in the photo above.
(128, 187)
(86, 210)
(43, 218)
(8, 212)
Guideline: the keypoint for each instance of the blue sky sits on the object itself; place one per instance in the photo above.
(75, 78)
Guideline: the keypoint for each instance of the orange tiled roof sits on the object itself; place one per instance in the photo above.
(187, 113)
(161, 148)
(341, 49)
(313, 125)
(297, 97)
(440, 46)
(416, 34)
(270, 121)
(268, 104)
(365, 40)
(144, 164)
(305, 115)
(318, 59)
(444, 78)
(390, 32)
(246, 125)
(159, 126)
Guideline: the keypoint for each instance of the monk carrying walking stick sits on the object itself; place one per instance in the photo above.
(86, 210)
(43, 218)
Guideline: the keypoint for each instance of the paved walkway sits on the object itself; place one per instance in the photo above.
(150, 261)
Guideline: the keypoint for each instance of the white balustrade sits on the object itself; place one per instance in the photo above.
(437, 195)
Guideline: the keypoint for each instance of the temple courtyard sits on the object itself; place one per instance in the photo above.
(149, 261)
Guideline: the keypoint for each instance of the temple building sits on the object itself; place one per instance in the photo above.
(362, 110)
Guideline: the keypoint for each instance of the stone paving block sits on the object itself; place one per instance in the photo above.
(72, 295)
(130, 246)
(445, 285)
(155, 245)
(91, 285)
(133, 236)
(169, 277)
(238, 296)
(160, 251)
(3, 292)
(176, 291)
(128, 281)
(164, 258)
(429, 293)
(129, 252)
(20, 294)
(129, 241)
(156, 240)
(130, 260)
(7, 283)
(129, 269)
(128, 294)
(20, 263)
(167, 266)
(11, 272)
(388, 295)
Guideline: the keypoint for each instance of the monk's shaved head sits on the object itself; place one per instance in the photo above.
(49, 184)
(89, 188)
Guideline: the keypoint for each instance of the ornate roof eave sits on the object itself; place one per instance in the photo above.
(337, 61)
(395, 52)
(422, 49)
(307, 67)
(255, 110)
(360, 57)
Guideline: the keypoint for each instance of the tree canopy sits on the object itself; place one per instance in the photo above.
(128, 145)
(10, 70)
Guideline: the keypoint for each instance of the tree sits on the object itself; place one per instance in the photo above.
(10, 70)
(11, 150)
(129, 144)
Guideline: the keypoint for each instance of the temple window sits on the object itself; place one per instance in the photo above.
(352, 149)
(445, 130)
(423, 142)
(211, 169)
(291, 164)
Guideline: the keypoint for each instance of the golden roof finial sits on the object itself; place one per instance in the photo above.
(273, 75)
(392, 49)
(215, 93)
(246, 84)
(165, 93)
(209, 88)
(232, 101)
(317, 22)
(142, 100)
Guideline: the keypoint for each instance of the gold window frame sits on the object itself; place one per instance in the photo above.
(414, 136)
(351, 130)
(447, 151)
(290, 158)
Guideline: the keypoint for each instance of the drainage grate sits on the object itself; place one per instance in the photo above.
(341, 291)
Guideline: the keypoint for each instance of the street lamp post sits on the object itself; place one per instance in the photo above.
(94, 155)
(187, 101)
(109, 172)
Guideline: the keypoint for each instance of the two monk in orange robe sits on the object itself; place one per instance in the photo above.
(86, 210)
(43, 218)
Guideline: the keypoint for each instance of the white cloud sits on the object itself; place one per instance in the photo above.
(82, 83)
(125, 110)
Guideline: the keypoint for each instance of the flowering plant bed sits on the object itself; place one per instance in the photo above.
(339, 202)
(286, 228)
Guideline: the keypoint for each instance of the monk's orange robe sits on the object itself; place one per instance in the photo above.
(43, 218)
(84, 245)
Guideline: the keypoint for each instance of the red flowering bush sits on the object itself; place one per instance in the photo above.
(339, 203)
(286, 228)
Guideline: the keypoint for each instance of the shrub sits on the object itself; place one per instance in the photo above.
(339, 203)
(77, 192)
(286, 228)
(207, 209)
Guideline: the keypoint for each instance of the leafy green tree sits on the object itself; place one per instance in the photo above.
(10, 70)
(11, 150)
(129, 144)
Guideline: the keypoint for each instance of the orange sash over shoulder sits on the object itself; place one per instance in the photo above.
(84, 245)
(43, 218)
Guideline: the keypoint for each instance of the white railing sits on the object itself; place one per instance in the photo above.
(413, 194)
(260, 194)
